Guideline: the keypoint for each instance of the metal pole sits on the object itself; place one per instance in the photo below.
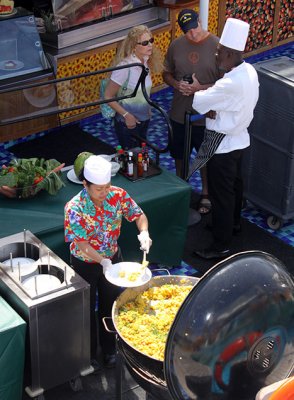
(203, 13)
(187, 146)
(194, 216)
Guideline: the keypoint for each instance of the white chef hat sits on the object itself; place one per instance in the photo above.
(235, 34)
(97, 170)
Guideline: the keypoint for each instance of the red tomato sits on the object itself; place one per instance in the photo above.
(38, 179)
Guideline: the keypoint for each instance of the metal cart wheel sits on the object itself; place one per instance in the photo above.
(76, 384)
(274, 222)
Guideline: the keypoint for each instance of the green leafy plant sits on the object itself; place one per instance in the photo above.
(30, 175)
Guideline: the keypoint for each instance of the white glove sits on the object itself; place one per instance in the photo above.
(106, 264)
(145, 241)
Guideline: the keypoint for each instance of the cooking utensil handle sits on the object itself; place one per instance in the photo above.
(161, 269)
(104, 320)
(25, 242)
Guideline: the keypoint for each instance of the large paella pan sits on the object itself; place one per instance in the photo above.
(232, 335)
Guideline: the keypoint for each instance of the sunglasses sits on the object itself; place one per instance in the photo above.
(146, 42)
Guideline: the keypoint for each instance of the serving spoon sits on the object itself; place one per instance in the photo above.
(145, 263)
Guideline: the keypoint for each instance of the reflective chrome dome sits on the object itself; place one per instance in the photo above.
(235, 331)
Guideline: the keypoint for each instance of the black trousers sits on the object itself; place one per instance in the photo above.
(225, 186)
(107, 294)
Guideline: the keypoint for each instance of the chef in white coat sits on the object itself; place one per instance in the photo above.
(230, 101)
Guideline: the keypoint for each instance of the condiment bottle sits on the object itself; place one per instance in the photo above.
(145, 156)
(121, 159)
(146, 159)
(117, 154)
(126, 157)
(130, 171)
(140, 165)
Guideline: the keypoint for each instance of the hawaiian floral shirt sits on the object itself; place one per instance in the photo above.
(99, 225)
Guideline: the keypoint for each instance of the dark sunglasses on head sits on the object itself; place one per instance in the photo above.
(146, 42)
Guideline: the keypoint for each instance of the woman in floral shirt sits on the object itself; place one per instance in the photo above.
(92, 224)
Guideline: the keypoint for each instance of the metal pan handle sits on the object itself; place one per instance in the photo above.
(109, 329)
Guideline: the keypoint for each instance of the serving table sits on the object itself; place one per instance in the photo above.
(165, 199)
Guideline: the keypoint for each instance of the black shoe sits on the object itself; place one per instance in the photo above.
(210, 254)
(109, 360)
(96, 366)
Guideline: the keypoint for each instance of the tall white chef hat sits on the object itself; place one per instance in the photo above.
(97, 170)
(235, 34)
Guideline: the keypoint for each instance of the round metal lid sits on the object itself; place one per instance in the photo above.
(235, 331)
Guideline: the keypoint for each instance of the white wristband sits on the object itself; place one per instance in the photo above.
(125, 114)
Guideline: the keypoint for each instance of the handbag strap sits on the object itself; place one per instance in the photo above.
(125, 85)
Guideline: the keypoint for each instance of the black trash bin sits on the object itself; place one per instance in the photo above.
(268, 164)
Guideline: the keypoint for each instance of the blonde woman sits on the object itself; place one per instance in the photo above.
(133, 115)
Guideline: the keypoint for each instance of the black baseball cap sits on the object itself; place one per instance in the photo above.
(188, 19)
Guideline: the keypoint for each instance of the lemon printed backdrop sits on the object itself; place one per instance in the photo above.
(261, 15)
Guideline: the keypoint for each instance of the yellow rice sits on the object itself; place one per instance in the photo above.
(145, 322)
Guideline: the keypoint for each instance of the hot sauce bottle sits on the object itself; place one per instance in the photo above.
(117, 154)
(121, 159)
(145, 157)
(140, 165)
(130, 164)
